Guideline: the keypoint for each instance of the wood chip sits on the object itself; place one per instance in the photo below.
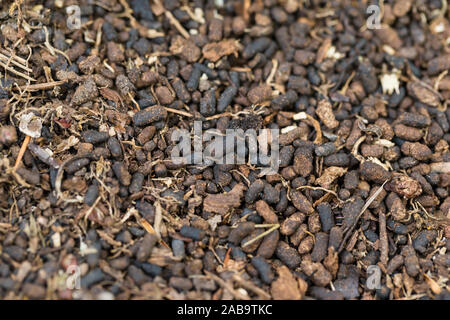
(285, 287)
(222, 203)
(109, 239)
(216, 50)
(329, 175)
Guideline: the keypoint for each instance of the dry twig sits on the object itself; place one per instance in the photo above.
(366, 205)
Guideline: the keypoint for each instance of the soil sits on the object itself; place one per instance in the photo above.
(93, 207)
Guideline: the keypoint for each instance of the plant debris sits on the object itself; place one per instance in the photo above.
(89, 187)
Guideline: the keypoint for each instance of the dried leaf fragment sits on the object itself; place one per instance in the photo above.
(390, 83)
(405, 186)
(325, 112)
(221, 203)
(67, 144)
(422, 93)
(285, 287)
(432, 284)
(30, 125)
(186, 48)
(329, 175)
(215, 50)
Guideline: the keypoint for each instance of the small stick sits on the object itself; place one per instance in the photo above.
(91, 208)
(276, 226)
(227, 286)
(438, 79)
(434, 286)
(359, 157)
(177, 24)
(42, 86)
(245, 13)
(227, 257)
(250, 286)
(59, 174)
(172, 20)
(273, 71)
(147, 226)
(316, 126)
(98, 40)
(352, 227)
(320, 188)
(108, 66)
(383, 238)
(267, 225)
(347, 83)
(53, 50)
(16, 72)
(241, 69)
(11, 59)
(183, 113)
(22, 150)
(444, 220)
(134, 101)
(314, 122)
(143, 31)
(158, 219)
(19, 59)
(225, 114)
(192, 15)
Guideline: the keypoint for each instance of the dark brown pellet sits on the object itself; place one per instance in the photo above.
(193, 233)
(325, 149)
(423, 239)
(374, 172)
(414, 120)
(85, 92)
(268, 245)
(115, 148)
(416, 150)
(136, 182)
(249, 248)
(301, 202)
(180, 90)
(411, 261)
(146, 134)
(146, 247)
(149, 115)
(86, 150)
(335, 237)
(395, 263)
(76, 165)
(288, 255)
(94, 137)
(320, 247)
(240, 232)
(265, 211)
(254, 191)
(291, 224)
(121, 172)
(264, 269)
(306, 245)
(91, 194)
(326, 216)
